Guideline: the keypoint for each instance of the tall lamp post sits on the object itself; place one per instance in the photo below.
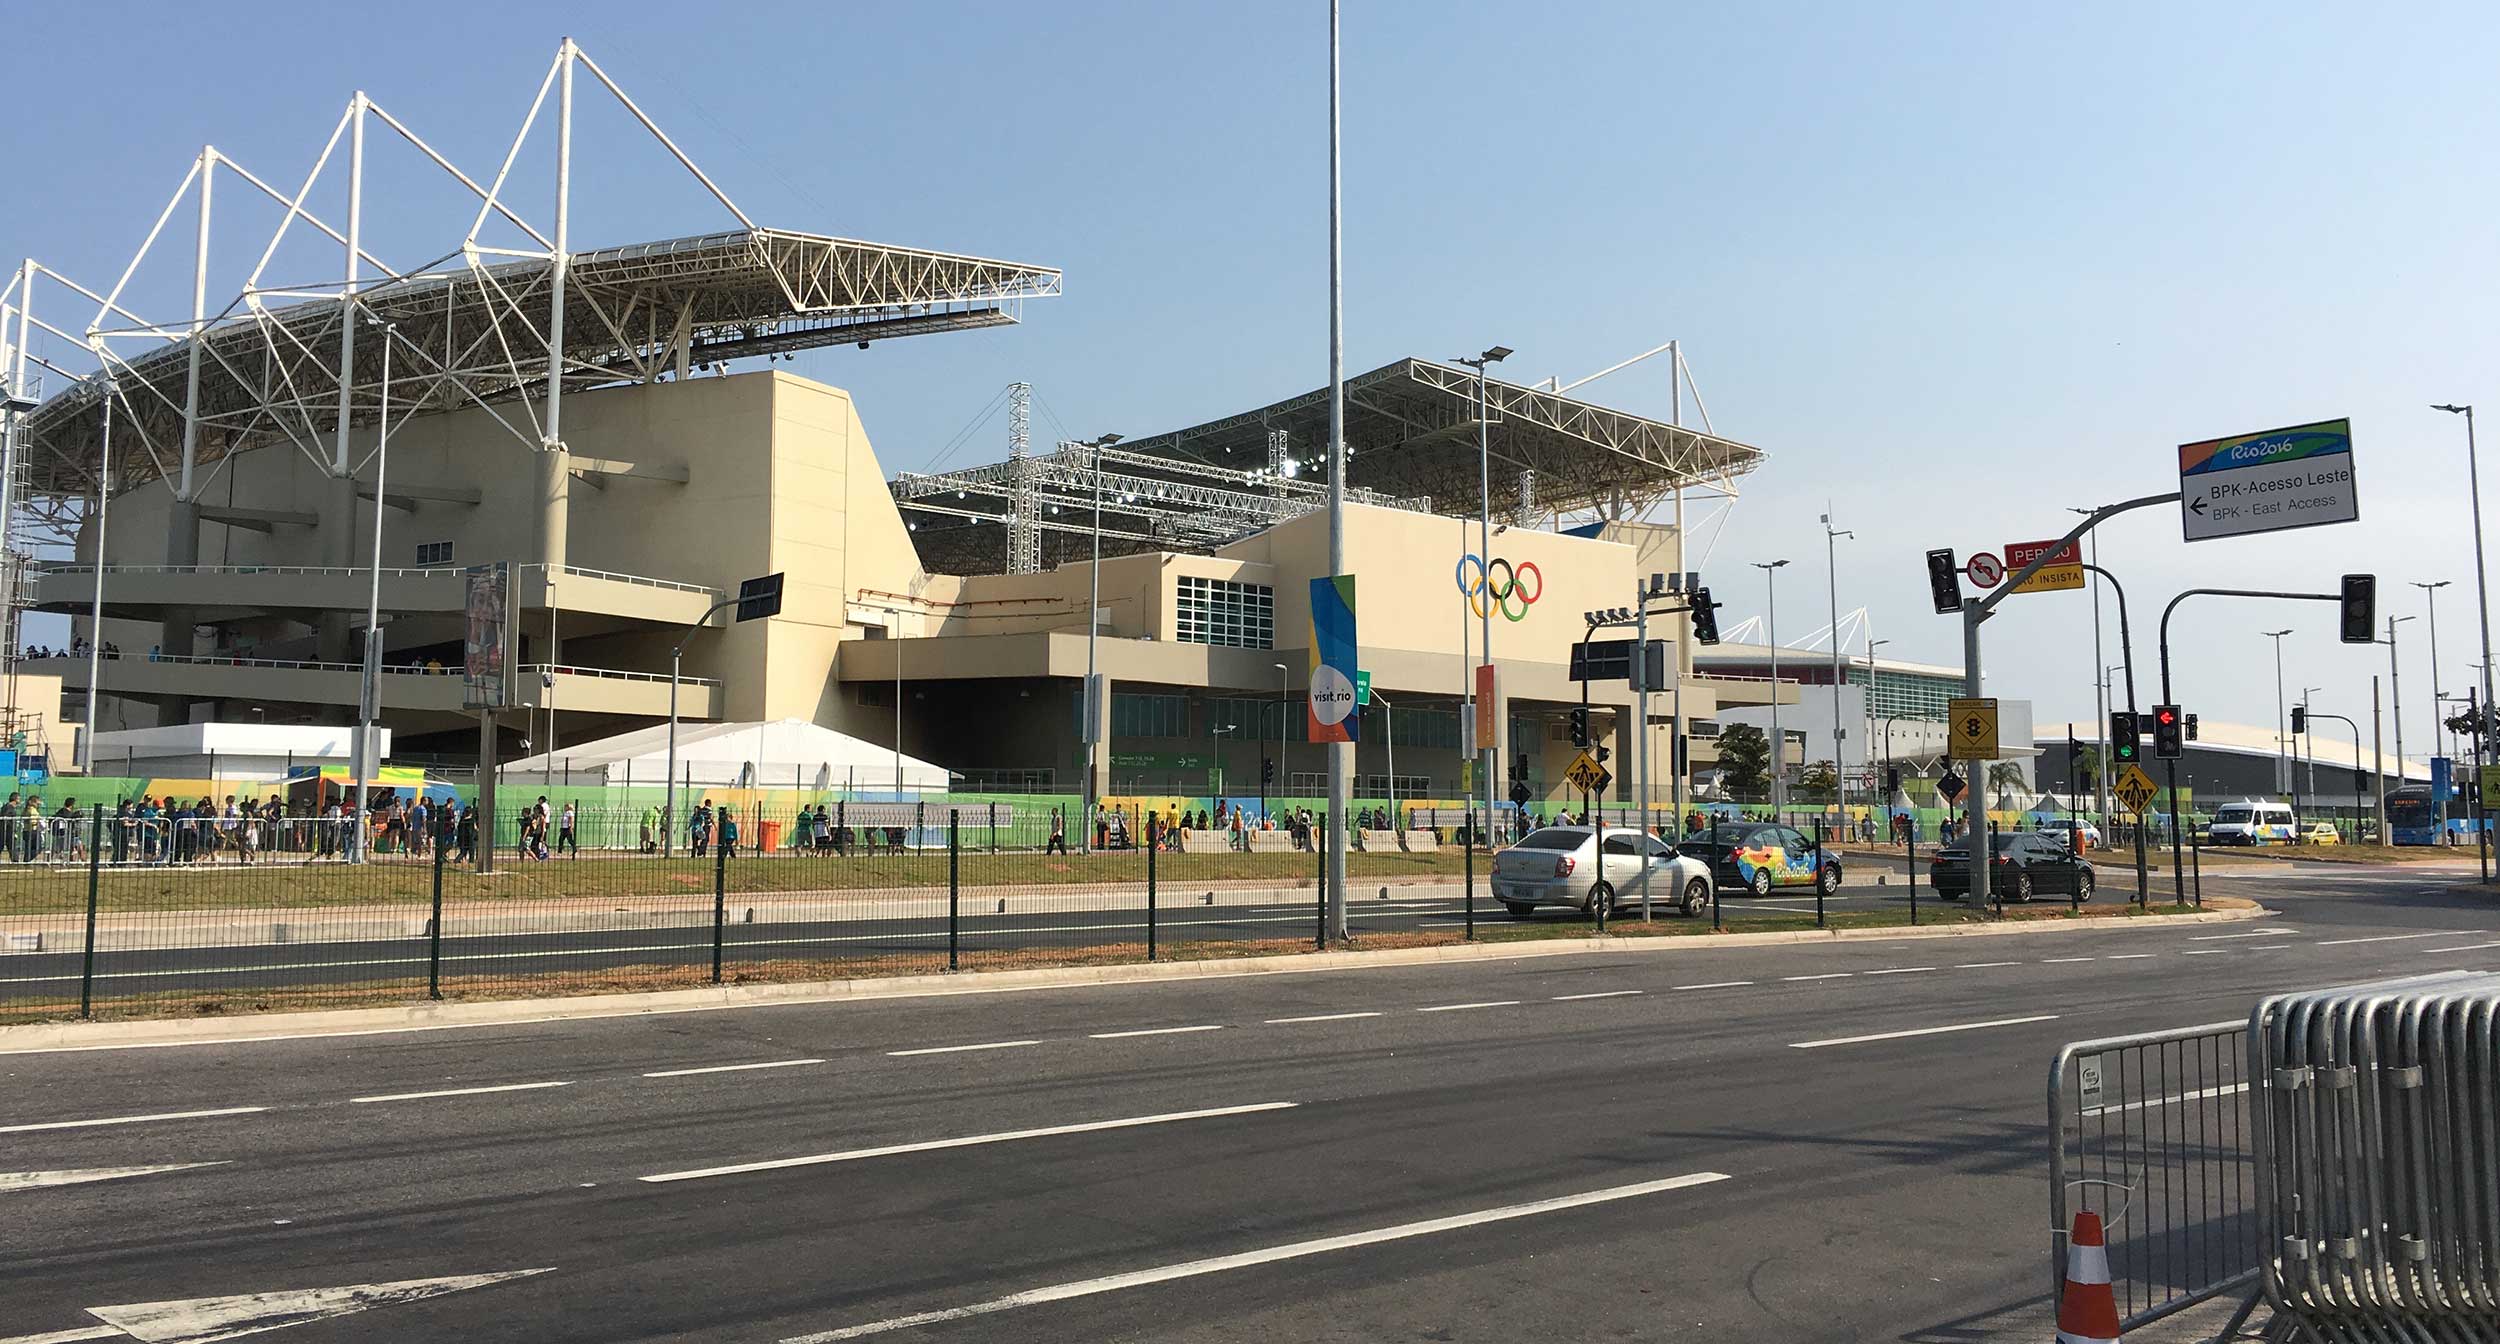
(1490, 751)
(1095, 710)
(2430, 600)
(2482, 591)
(1284, 715)
(2307, 738)
(2100, 688)
(369, 684)
(1876, 798)
(2396, 697)
(2282, 733)
(1770, 583)
(1831, 580)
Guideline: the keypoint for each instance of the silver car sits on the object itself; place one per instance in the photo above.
(1557, 865)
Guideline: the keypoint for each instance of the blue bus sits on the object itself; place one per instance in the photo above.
(2412, 818)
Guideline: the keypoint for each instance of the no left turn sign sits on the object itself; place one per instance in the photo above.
(1985, 569)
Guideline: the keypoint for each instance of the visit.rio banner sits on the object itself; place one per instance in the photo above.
(1333, 658)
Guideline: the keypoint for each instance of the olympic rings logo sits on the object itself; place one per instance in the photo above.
(1508, 594)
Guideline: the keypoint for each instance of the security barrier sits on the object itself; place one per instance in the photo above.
(2378, 1158)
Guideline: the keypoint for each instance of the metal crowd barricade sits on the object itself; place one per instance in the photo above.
(2378, 1153)
(2152, 1132)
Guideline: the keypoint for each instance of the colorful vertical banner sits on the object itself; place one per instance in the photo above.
(1488, 707)
(1333, 657)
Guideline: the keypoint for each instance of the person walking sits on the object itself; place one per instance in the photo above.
(564, 836)
(1058, 832)
(650, 827)
(728, 834)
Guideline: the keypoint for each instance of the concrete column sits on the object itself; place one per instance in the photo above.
(338, 551)
(1102, 737)
(182, 547)
(555, 486)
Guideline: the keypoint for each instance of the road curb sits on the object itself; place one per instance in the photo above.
(54, 1036)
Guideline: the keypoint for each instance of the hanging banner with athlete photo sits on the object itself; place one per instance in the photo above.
(486, 671)
(1333, 658)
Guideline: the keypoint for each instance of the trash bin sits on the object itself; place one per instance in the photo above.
(772, 837)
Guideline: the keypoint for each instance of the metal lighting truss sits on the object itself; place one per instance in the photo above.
(1147, 501)
(507, 328)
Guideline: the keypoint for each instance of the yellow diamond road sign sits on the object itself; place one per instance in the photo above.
(1586, 774)
(1971, 726)
(2134, 788)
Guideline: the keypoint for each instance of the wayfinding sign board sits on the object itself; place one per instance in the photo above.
(2272, 481)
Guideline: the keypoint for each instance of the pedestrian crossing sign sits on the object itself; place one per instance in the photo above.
(2134, 789)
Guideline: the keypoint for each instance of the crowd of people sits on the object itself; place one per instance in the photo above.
(78, 648)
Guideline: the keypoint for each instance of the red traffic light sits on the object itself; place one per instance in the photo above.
(2165, 716)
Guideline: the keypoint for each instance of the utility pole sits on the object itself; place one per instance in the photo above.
(1831, 579)
(2430, 598)
(2100, 686)
(2396, 696)
(2378, 757)
(1771, 586)
(2282, 734)
(1340, 754)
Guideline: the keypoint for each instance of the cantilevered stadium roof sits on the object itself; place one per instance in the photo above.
(1411, 433)
(477, 333)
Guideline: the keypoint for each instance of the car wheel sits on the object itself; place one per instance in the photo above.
(2083, 885)
(1602, 898)
(1696, 895)
(2022, 886)
(1518, 909)
(1761, 884)
(1829, 880)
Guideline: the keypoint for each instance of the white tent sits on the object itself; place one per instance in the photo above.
(779, 754)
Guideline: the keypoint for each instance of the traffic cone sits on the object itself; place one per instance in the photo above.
(2087, 1311)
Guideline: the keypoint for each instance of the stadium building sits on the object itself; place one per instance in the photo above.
(239, 487)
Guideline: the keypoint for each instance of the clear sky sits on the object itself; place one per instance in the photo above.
(1956, 266)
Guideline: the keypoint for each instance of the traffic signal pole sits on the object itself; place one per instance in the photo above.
(2126, 656)
(2178, 846)
(1977, 610)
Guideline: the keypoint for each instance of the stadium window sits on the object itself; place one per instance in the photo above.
(1221, 612)
(432, 553)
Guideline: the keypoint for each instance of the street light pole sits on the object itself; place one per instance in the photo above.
(2396, 696)
(1284, 709)
(1770, 583)
(1876, 798)
(2482, 591)
(1094, 713)
(1831, 579)
(2308, 743)
(369, 698)
(2100, 687)
(1491, 749)
(2430, 598)
(2282, 748)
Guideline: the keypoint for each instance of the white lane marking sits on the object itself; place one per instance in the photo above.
(2400, 937)
(968, 1141)
(1921, 1031)
(1717, 984)
(1460, 1007)
(2146, 1105)
(1321, 1017)
(733, 1068)
(1827, 975)
(957, 1049)
(1141, 1278)
(1601, 994)
(129, 1120)
(200, 1319)
(1981, 965)
(2469, 947)
(451, 1092)
(38, 1180)
(2060, 961)
(69, 1336)
(1152, 1031)
(2135, 956)
(2226, 937)
(2207, 951)
(1902, 970)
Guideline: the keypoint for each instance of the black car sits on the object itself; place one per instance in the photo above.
(2025, 866)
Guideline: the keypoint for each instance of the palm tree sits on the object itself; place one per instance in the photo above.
(2003, 778)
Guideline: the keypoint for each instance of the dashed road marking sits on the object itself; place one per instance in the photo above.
(967, 1141)
(1921, 1031)
(131, 1119)
(1461, 1007)
(1717, 984)
(1902, 970)
(1152, 1031)
(958, 1049)
(452, 1092)
(1318, 1017)
(733, 1068)
(1827, 975)
(1600, 994)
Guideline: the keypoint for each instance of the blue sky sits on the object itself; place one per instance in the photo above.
(1956, 266)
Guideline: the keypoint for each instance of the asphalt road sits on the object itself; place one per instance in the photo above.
(1598, 1147)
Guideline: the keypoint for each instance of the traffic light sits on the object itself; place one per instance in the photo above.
(1602, 753)
(2169, 731)
(1705, 616)
(1944, 582)
(2360, 624)
(2300, 719)
(1267, 770)
(1580, 728)
(2122, 737)
(1892, 780)
(2191, 727)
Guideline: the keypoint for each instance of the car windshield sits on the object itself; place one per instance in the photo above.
(2235, 816)
(1997, 844)
(1553, 837)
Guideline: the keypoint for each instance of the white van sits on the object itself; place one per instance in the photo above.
(2253, 824)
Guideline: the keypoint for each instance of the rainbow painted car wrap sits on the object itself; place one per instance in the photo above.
(1762, 856)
